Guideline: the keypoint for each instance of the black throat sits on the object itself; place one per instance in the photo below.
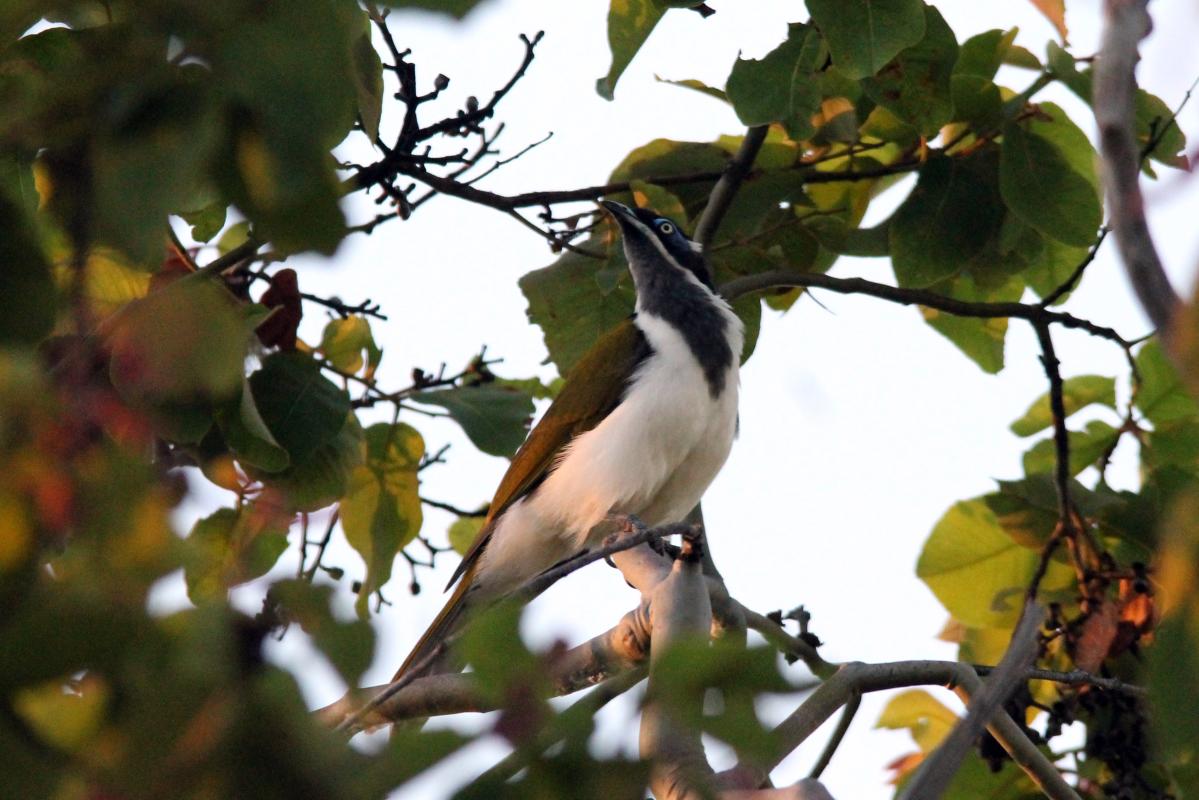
(690, 309)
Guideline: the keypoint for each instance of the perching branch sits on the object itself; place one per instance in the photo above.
(1115, 89)
(679, 610)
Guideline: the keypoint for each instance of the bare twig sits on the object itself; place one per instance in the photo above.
(351, 722)
(633, 535)
(765, 281)
(1115, 88)
(834, 741)
(1075, 276)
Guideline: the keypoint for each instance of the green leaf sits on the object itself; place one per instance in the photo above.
(1174, 656)
(496, 418)
(1054, 125)
(278, 167)
(629, 25)
(665, 157)
(648, 195)
(156, 155)
(454, 8)
(1052, 266)
(302, 408)
(230, 547)
(1077, 393)
(916, 84)
(982, 340)
(348, 343)
(977, 571)
(348, 645)
(864, 35)
(1161, 396)
(569, 306)
(780, 87)
(948, 218)
(381, 511)
(982, 54)
(181, 344)
(1153, 119)
(27, 296)
(926, 718)
(1086, 447)
(463, 532)
(368, 81)
(247, 434)
(235, 237)
(1028, 508)
(206, 222)
(976, 101)
(697, 86)
(320, 478)
(1038, 182)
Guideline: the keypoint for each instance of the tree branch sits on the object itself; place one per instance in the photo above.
(679, 610)
(1115, 89)
(781, 279)
(856, 677)
(936, 772)
(726, 188)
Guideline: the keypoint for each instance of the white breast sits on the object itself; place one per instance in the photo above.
(653, 456)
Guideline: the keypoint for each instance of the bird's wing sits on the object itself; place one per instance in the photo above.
(594, 387)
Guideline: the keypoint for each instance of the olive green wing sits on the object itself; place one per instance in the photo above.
(594, 387)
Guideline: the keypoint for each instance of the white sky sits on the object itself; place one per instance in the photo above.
(860, 425)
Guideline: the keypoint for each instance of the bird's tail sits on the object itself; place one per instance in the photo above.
(447, 622)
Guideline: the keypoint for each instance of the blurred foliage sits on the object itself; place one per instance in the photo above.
(133, 367)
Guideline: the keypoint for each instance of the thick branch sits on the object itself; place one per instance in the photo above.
(679, 611)
(780, 279)
(1115, 89)
(937, 771)
(854, 678)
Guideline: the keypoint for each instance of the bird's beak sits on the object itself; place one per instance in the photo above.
(619, 211)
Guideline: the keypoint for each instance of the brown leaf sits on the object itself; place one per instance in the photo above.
(1055, 12)
(1138, 615)
(279, 329)
(1098, 633)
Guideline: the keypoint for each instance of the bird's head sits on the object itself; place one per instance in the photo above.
(658, 251)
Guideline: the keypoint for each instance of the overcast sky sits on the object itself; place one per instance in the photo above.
(860, 425)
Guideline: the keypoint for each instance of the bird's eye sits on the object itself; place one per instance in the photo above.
(665, 228)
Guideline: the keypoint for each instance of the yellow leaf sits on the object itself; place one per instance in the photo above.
(1055, 12)
(65, 717)
(16, 532)
(926, 718)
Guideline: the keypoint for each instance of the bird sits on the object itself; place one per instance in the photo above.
(642, 425)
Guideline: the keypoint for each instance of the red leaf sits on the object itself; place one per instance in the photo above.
(279, 329)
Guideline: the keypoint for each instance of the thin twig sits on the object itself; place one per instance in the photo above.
(351, 722)
(462, 512)
(847, 715)
(1067, 527)
(1075, 276)
(635, 534)
(781, 279)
